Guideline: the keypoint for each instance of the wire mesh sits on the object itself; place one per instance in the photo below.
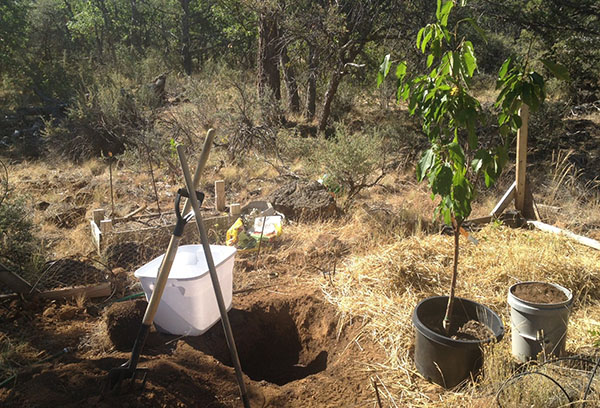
(71, 272)
(133, 248)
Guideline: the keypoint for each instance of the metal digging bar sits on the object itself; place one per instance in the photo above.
(129, 370)
(214, 278)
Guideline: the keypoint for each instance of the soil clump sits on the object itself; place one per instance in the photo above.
(473, 330)
(123, 323)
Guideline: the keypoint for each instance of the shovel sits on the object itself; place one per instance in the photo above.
(214, 278)
(129, 370)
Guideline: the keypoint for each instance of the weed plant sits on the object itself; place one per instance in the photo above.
(20, 249)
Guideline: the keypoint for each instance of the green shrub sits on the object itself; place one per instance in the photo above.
(20, 249)
(105, 117)
(350, 162)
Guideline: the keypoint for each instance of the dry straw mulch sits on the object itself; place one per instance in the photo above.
(384, 285)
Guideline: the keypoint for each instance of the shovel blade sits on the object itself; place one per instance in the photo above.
(125, 379)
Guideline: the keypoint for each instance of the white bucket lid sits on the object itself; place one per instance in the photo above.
(189, 263)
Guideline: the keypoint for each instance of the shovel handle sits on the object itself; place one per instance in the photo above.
(167, 262)
(214, 279)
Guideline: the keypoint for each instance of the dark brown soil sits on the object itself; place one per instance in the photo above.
(539, 292)
(473, 330)
(461, 328)
(123, 322)
(294, 350)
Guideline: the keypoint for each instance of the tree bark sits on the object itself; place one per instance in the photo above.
(311, 89)
(269, 83)
(447, 322)
(136, 28)
(332, 88)
(347, 54)
(290, 81)
(185, 37)
(107, 29)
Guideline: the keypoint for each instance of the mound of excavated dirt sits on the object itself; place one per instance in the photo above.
(304, 200)
(293, 350)
(187, 379)
(123, 322)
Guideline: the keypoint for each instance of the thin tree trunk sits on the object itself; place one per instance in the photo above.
(332, 88)
(185, 37)
(290, 81)
(107, 28)
(136, 27)
(346, 56)
(448, 317)
(311, 89)
(268, 73)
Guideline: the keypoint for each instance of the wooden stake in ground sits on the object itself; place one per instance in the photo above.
(112, 199)
(520, 190)
(523, 198)
(220, 195)
(262, 231)
(153, 181)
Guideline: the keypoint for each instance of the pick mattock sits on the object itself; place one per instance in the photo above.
(129, 370)
(214, 278)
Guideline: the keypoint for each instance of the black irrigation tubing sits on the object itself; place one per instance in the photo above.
(520, 375)
(555, 360)
(589, 384)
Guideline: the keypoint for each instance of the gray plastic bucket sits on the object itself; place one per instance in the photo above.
(538, 327)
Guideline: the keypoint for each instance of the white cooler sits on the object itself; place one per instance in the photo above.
(188, 305)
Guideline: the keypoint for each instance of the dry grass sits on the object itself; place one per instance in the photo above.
(384, 285)
(392, 257)
(567, 200)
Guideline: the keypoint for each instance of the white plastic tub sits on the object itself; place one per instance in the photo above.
(188, 305)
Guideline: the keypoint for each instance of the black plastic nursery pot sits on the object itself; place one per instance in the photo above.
(441, 359)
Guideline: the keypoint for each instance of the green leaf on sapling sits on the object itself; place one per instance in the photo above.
(481, 160)
(445, 13)
(469, 59)
(420, 36)
(441, 182)
(476, 28)
(401, 70)
(426, 39)
(558, 70)
(384, 69)
(504, 69)
(430, 58)
(438, 9)
(426, 162)
(456, 154)
(528, 96)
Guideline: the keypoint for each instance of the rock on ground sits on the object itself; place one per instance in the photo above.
(304, 200)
